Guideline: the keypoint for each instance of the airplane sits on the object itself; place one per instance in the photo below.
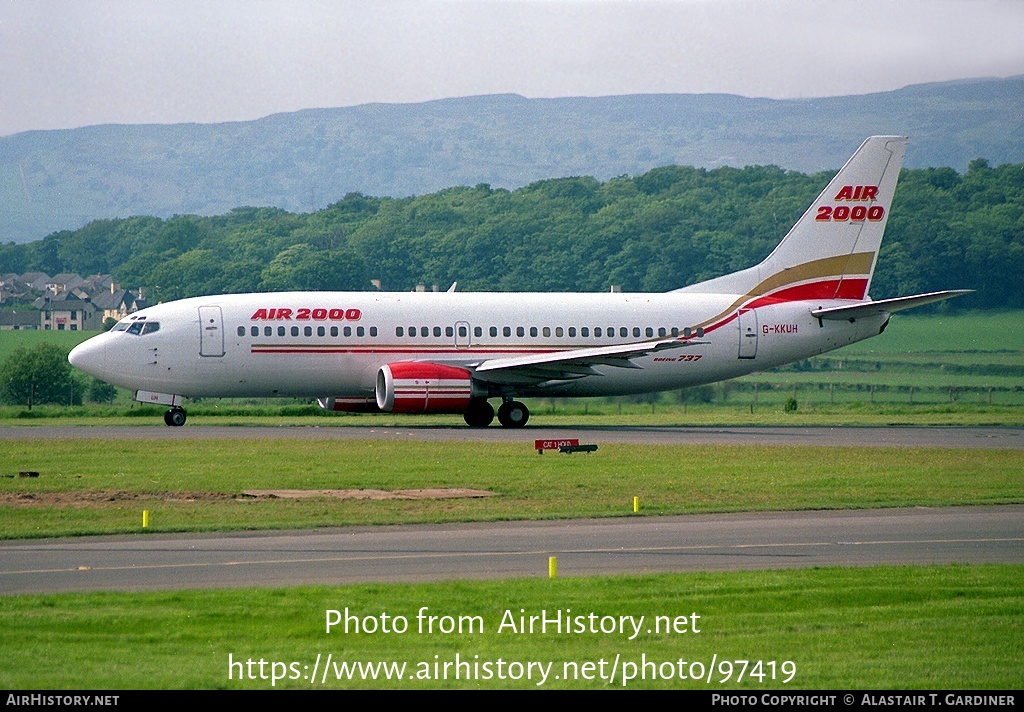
(450, 352)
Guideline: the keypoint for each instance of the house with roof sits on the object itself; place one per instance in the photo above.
(68, 311)
(19, 319)
(116, 303)
(36, 281)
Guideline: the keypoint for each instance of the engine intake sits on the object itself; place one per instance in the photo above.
(417, 387)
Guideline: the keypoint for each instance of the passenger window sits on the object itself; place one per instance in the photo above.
(254, 331)
(623, 332)
(449, 331)
(649, 331)
(334, 331)
(661, 331)
(675, 331)
(308, 331)
(373, 331)
(520, 331)
(399, 331)
(412, 331)
(268, 331)
(348, 331)
(320, 331)
(585, 331)
(241, 330)
(478, 331)
(507, 331)
(437, 331)
(572, 331)
(636, 332)
(533, 331)
(597, 331)
(493, 331)
(463, 332)
(295, 331)
(280, 331)
(547, 331)
(558, 331)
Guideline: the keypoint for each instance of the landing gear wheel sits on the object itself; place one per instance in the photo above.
(175, 417)
(513, 414)
(480, 413)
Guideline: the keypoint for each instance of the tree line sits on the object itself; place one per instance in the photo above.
(667, 228)
(42, 375)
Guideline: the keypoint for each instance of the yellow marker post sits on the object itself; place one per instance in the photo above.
(145, 518)
(552, 566)
(636, 505)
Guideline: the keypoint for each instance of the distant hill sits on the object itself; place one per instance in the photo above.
(301, 161)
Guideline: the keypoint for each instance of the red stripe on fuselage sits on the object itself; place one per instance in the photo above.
(827, 289)
(394, 350)
(845, 288)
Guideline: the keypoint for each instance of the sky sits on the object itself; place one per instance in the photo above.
(66, 64)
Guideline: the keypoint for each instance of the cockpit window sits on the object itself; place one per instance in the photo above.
(121, 326)
(141, 327)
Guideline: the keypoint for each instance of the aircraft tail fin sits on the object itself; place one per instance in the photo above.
(831, 251)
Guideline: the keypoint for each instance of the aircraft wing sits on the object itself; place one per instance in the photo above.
(860, 310)
(568, 365)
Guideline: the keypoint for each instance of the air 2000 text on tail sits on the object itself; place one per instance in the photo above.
(452, 352)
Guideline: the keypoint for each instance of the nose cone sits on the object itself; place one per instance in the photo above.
(91, 357)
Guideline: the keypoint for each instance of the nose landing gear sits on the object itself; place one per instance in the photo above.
(175, 417)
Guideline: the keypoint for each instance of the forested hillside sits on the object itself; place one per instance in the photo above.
(658, 231)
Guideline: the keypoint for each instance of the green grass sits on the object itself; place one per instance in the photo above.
(936, 627)
(116, 479)
(964, 332)
(973, 359)
(10, 340)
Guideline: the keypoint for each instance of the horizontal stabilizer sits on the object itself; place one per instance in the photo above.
(861, 310)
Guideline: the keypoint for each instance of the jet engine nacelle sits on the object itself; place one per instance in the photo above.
(418, 387)
(343, 404)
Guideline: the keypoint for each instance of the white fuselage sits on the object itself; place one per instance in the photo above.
(316, 344)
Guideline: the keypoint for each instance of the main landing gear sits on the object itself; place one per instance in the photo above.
(511, 414)
(175, 417)
(480, 413)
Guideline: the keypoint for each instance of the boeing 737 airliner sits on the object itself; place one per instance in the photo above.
(450, 352)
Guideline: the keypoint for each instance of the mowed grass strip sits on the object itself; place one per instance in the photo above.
(196, 486)
(953, 627)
